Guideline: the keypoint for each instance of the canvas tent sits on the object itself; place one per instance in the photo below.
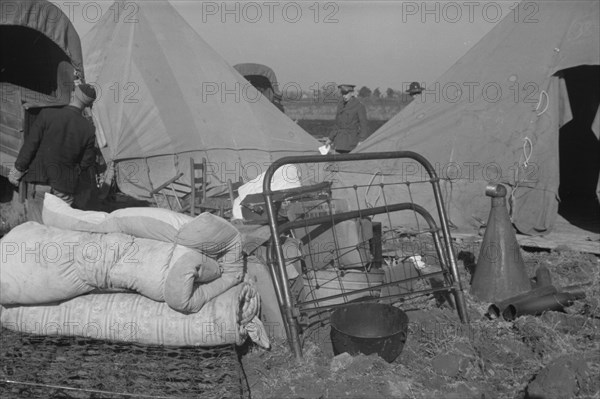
(495, 116)
(263, 78)
(166, 96)
(41, 55)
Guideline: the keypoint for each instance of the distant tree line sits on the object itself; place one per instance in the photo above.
(365, 92)
(329, 93)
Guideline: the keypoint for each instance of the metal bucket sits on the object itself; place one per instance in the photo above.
(369, 328)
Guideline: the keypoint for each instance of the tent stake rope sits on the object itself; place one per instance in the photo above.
(527, 151)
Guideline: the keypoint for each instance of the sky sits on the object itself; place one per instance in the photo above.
(309, 44)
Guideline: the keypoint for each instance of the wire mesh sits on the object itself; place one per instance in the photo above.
(72, 367)
(353, 249)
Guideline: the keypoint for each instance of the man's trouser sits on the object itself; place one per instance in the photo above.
(35, 202)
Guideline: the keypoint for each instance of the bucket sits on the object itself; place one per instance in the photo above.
(328, 282)
(369, 328)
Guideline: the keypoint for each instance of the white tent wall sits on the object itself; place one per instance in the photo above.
(493, 117)
(167, 95)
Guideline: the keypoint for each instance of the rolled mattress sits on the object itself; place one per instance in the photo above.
(128, 317)
(43, 264)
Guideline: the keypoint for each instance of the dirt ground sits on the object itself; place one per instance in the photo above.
(555, 355)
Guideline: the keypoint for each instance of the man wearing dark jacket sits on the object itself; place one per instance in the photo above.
(59, 146)
(351, 125)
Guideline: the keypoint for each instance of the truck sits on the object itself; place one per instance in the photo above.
(40, 64)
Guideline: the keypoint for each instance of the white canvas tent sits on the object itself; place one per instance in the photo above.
(166, 96)
(495, 117)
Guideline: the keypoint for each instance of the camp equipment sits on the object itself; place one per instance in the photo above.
(500, 271)
(369, 328)
(300, 311)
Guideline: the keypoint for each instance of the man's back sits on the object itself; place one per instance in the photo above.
(60, 142)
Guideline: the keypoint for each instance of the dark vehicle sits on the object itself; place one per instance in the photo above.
(263, 78)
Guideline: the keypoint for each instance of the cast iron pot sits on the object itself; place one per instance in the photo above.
(369, 328)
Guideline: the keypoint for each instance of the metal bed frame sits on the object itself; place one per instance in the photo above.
(296, 310)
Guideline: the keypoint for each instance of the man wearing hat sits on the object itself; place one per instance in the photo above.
(351, 125)
(414, 88)
(59, 146)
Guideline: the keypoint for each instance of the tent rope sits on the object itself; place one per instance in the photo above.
(148, 172)
(547, 102)
(367, 203)
(527, 154)
(511, 201)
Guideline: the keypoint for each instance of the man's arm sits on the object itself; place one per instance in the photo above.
(334, 130)
(89, 153)
(31, 144)
(333, 133)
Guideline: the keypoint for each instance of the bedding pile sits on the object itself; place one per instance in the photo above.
(145, 275)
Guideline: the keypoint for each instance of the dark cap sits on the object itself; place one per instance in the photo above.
(346, 88)
(414, 88)
(85, 93)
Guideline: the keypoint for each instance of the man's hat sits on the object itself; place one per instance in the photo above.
(414, 88)
(85, 93)
(346, 88)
